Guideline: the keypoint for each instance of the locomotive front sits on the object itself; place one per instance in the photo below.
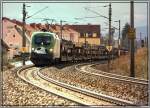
(43, 48)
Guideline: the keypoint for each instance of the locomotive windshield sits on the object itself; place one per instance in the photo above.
(45, 40)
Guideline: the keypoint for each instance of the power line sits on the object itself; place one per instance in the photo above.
(37, 12)
(96, 13)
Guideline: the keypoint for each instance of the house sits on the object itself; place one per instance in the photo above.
(12, 33)
(67, 32)
(88, 33)
(75, 33)
(12, 36)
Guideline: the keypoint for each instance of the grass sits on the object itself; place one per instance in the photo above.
(121, 65)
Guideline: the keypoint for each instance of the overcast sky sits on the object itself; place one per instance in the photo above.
(69, 11)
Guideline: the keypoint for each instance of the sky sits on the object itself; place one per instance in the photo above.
(70, 11)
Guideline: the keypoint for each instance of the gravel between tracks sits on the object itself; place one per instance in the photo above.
(18, 92)
(136, 93)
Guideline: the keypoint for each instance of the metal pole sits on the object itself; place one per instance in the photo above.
(23, 31)
(140, 39)
(85, 39)
(109, 40)
(119, 40)
(61, 28)
(47, 25)
(132, 72)
(85, 43)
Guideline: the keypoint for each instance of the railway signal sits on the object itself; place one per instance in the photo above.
(109, 48)
(131, 33)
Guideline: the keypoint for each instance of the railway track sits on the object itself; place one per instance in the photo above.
(33, 76)
(87, 68)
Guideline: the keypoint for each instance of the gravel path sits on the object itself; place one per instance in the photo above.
(135, 93)
(18, 92)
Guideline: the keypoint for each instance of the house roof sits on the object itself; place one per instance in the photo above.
(86, 28)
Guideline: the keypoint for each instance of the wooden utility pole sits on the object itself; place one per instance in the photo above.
(132, 71)
(23, 31)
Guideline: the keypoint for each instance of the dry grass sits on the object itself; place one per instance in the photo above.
(121, 65)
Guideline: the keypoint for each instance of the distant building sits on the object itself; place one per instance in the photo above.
(91, 32)
(68, 33)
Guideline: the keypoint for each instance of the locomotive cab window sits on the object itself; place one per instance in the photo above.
(45, 40)
(38, 40)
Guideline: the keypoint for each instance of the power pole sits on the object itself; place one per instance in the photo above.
(132, 71)
(85, 38)
(110, 24)
(23, 31)
(109, 40)
(119, 40)
(47, 25)
(145, 41)
(140, 39)
(61, 28)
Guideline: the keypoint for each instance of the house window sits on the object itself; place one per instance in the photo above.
(90, 34)
(94, 34)
(13, 35)
(82, 35)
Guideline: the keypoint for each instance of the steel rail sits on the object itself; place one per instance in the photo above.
(137, 80)
(29, 82)
(104, 97)
(90, 70)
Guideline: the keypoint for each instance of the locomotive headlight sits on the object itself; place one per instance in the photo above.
(32, 49)
(50, 50)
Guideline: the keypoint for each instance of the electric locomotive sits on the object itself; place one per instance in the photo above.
(47, 48)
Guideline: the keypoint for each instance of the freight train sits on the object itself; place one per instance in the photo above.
(47, 48)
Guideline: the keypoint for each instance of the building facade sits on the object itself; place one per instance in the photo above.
(89, 34)
(12, 34)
